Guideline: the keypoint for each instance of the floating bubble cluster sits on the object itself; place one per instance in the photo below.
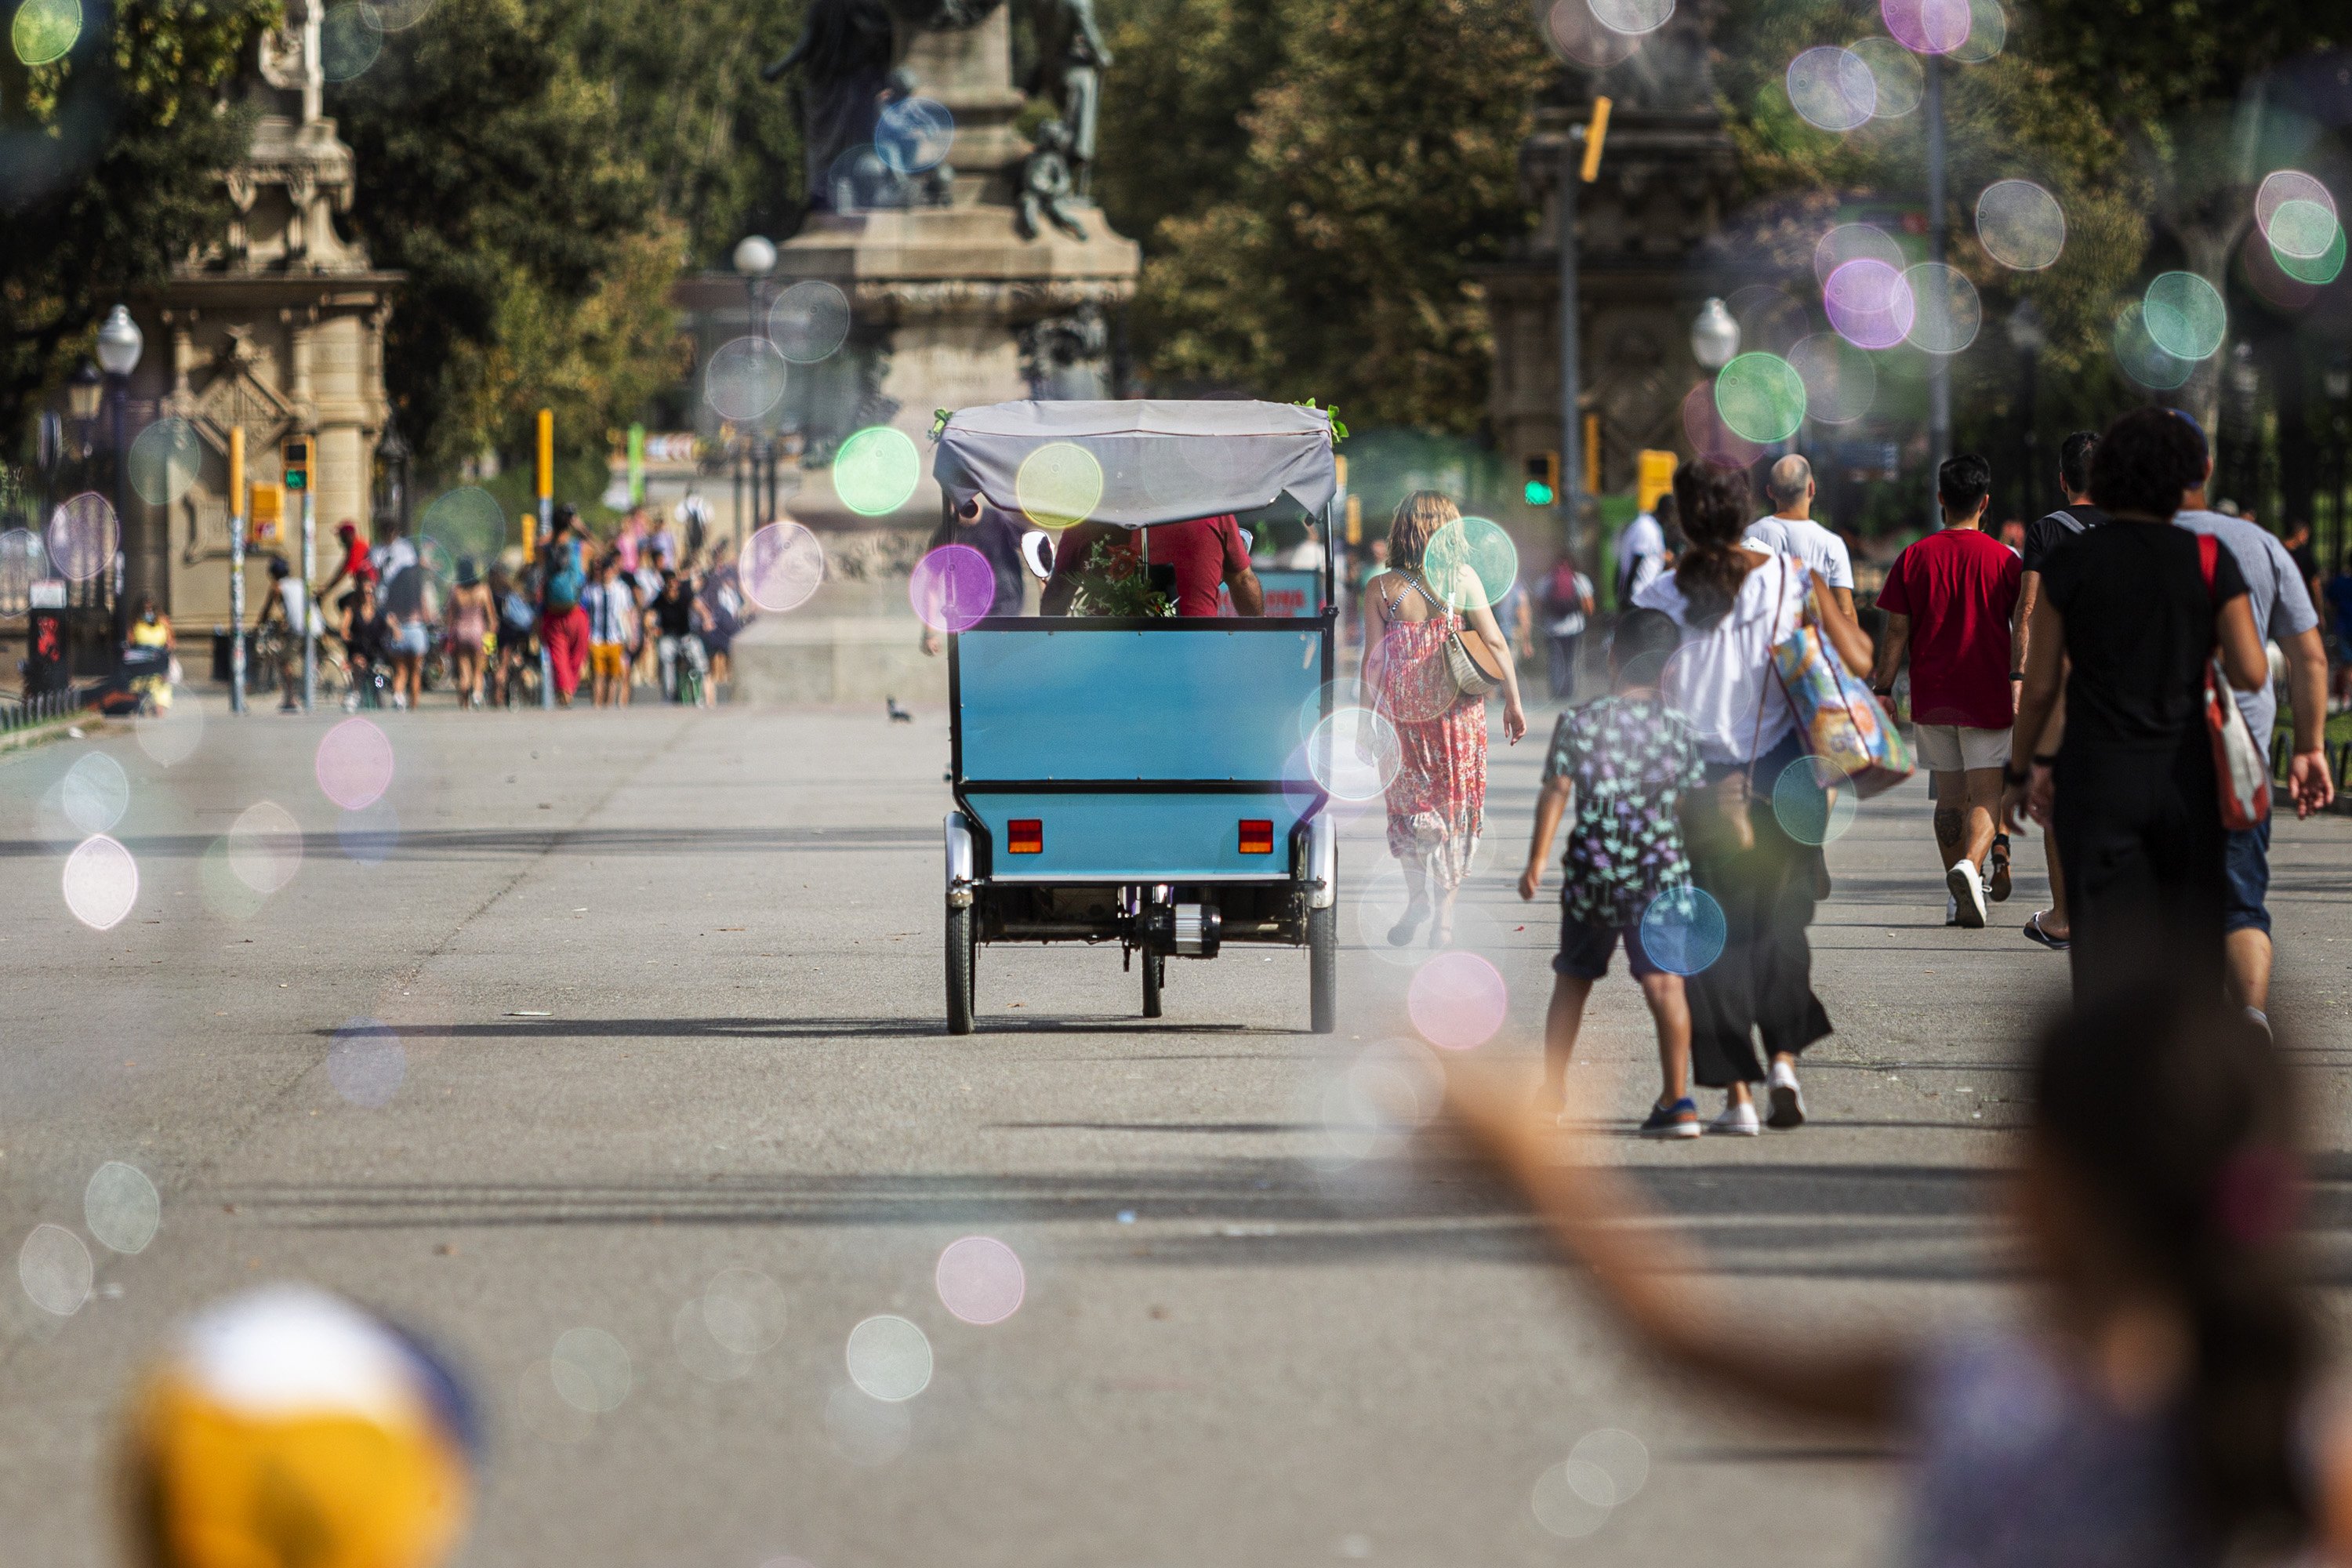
(913, 134)
(889, 1359)
(1853, 242)
(1458, 1000)
(1812, 810)
(350, 36)
(1058, 485)
(1605, 1469)
(781, 566)
(1710, 437)
(94, 794)
(2298, 219)
(121, 1207)
(1927, 26)
(1946, 310)
(1840, 380)
(469, 520)
(1769, 320)
(1895, 72)
(1870, 304)
(365, 1063)
(1633, 18)
(1760, 398)
(45, 30)
(1683, 930)
(265, 847)
(399, 16)
(1354, 753)
(951, 588)
(354, 764)
(1579, 35)
(1470, 563)
(1987, 31)
(2142, 358)
(101, 882)
(745, 1310)
(2184, 315)
(54, 1269)
(809, 322)
(591, 1369)
(172, 737)
(2021, 224)
(980, 1280)
(1833, 88)
(744, 379)
(876, 470)
(82, 537)
(165, 459)
(1372, 1109)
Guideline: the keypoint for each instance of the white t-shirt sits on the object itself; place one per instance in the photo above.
(1641, 550)
(1809, 542)
(1720, 678)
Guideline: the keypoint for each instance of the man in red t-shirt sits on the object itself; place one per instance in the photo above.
(1951, 604)
(1206, 551)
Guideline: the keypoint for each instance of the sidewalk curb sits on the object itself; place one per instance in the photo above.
(40, 734)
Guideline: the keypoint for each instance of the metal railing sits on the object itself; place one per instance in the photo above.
(24, 712)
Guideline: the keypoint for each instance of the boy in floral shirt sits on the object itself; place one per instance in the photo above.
(1625, 759)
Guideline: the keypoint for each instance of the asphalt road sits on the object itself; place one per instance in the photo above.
(626, 1002)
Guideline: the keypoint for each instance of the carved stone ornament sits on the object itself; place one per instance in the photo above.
(235, 396)
(1017, 300)
(282, 63)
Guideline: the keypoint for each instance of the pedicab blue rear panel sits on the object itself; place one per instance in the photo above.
(1189, 729)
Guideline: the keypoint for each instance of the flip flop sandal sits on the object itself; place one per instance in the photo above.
(2035, 934)
(1999, 888)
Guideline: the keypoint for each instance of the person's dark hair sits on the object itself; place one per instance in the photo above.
(1640, 645)
(1712, 505)
(1963, 482)
(2177, 1118)
(278, 567)
(1663, 510)
(2146, 462)
(2075, 460)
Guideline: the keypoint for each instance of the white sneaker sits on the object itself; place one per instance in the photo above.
(1968, 894)
(1736, 1122)
(1788, 1098)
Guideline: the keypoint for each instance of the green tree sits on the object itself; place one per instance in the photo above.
(106, 163)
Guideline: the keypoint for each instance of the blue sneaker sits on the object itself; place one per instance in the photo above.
(1679, 1119)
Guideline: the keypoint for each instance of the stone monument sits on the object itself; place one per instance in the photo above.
(277, 326)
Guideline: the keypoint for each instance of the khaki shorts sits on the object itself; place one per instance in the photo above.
(1956, 747)
(608, 659)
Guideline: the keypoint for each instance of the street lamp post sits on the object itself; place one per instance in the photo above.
(1715, 336)
(1939, 366)
(2336, 379)
(2029, 337)
(119, 344)
(755, 258)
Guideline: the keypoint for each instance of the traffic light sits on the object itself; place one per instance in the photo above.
(1543, 479)
(298, 463)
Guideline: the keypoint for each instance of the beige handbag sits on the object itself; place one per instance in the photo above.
(1472, 675)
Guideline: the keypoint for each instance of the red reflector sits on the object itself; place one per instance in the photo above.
(1258, 837)
(1025, 836)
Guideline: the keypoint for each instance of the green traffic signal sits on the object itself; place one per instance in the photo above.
(1539, 493)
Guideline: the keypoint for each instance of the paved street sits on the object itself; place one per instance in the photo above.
(626, 1000)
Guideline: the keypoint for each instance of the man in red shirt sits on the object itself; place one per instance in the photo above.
(1203, 552)
(1951, 603)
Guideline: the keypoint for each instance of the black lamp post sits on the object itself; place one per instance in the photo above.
(755, 258)
(2336, 379)
(2029, 337)
(120, 342)
(390, 482)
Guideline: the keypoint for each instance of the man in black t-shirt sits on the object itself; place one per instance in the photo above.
(2043, 535)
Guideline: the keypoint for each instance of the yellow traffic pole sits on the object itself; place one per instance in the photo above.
(236, 526)
(546, 482)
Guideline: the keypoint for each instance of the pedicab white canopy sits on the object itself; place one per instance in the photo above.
(1154, 462)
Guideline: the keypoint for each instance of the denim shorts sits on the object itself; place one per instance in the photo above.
(413, 640)
(1585, 950)
(2246, 867)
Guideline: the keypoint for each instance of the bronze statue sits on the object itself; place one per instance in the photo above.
(1071, 57)
(844, 56)
(1047, 189)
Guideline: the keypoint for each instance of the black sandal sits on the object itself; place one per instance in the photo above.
(1999, 886)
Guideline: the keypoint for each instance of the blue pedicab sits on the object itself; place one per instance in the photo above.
(1140, 781)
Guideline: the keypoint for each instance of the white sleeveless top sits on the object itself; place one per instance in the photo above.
(1721, 677)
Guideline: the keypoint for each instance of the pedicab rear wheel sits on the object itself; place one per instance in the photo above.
(1323, 970)
(1155, 974)
(961, 981)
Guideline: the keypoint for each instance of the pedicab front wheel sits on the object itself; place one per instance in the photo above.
(961, 981)
(1323, 970)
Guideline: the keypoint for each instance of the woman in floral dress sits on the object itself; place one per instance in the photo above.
(1437, 800)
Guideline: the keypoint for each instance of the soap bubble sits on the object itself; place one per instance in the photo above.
(121, 1207)
(1573, 1499)
(172, 736)
(265, 847)
(468, 517)
(1683, 931)
(876, 470)
(1833, 88)
(354, 764)
(366, 1063)
(1577, 34)
(745, 1311)
(1812, 809)
(1761, 397)
(369, 835)
(1929, 27)
(1710, 437)
(1354, 755)
(865, 1430)
(164, 460)
(1769, 320)
(2142, 358)
(912, 134)
(744, 379)
(2316, 270)
(1870, 304)
(1896, 73)
(1840, 380)
(101, 882)
(2184, 315)
(1946, 309)
(350, 36)
(82, 537)
(1987, 30)
(94, 794)
(1470, 562)
(54, 1269)
(889, 1359)
(2021, 224)
(952, 588)
(690, 1332)
(1617, 1454)
(1458, 1000)
(2287, 187)
(809, 322)
(781, 566)
(1058, 485)
(1853, 242)
(591, 1369)
(399, 16)
(2303, 230)
(1632, 16)
(45, 30)
(980, 1279)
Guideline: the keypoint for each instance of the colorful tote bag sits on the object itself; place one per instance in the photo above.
(1842, 725)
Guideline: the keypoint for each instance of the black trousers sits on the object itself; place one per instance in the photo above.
(1763, 986)
(2139, 836)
